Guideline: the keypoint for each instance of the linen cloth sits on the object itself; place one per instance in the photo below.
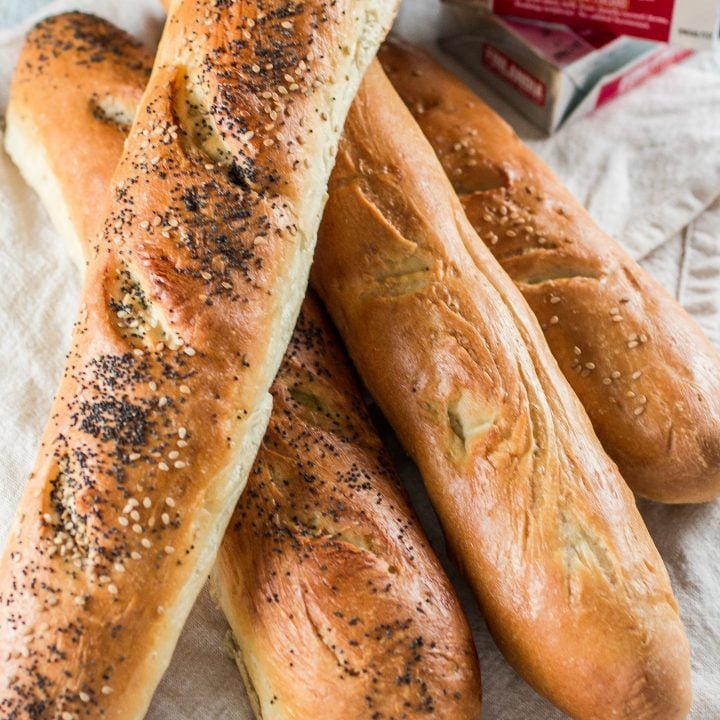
(648, 168)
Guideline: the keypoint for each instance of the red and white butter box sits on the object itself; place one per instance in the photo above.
(685, 23)
(551, 73)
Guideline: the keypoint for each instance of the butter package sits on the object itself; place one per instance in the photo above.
(684, 23)
(551, 73)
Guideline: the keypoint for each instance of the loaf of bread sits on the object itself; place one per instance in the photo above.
(641, 366)
(337, 605)
(192, 290)
(545, 529)
(333, 593)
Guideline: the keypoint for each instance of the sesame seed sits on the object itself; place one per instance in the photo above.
(134, 456)
(119, 567)
(153, 385)
(134, 515)
(67, 716)
(169, 502)
(160, 610)
(135, 555)
(633, 344)
(162, 402)
(179, 464)
(189, 351)
(163, 466)
(639, 410)
(165, 519)
(47, 517)
(172, 455)
(182, 432)
(617, 318)
(84, 696)
(137, 528)
(577, 350)
(554, 320)
(185, 389)
(636, 374)
(106, 690)
(123, 521)
(169, 549)
(554, 299)
(615, 374)
(181, 443)
(145, 543)
(112, 589)
(79, 600)
(590, 365)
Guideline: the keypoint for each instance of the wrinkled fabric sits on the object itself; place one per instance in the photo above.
(648, 168)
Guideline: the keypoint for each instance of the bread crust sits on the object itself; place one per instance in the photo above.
(540, 520)
(333, 594)
(648, 377)
(341, 603)
(189, 300)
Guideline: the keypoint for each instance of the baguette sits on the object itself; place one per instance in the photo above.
(323, 522)
(543, 526)
(648, 377)
(189, 301)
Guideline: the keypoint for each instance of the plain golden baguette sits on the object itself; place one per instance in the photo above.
(322, 508)
(648, 377)
(545, 529)
(189, 301)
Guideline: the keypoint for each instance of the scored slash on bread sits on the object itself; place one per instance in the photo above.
(647, 376)
(190, 296)
(541, 522)
(331, 589)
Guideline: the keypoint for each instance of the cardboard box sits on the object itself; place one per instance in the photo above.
(551, 73)
(685, 23)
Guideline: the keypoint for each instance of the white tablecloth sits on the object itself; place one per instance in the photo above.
(647, 166)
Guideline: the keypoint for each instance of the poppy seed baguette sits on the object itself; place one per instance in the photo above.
(190, 297)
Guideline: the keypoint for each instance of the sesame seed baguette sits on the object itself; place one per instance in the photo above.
(642, 367)
(189, 301)
(545, 529)
(323, 507)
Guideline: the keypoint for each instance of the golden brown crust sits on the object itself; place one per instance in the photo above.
(641, 366)
(340, 603)
(79, 50)
(188, 305)
(546, 531)
(333, 594)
